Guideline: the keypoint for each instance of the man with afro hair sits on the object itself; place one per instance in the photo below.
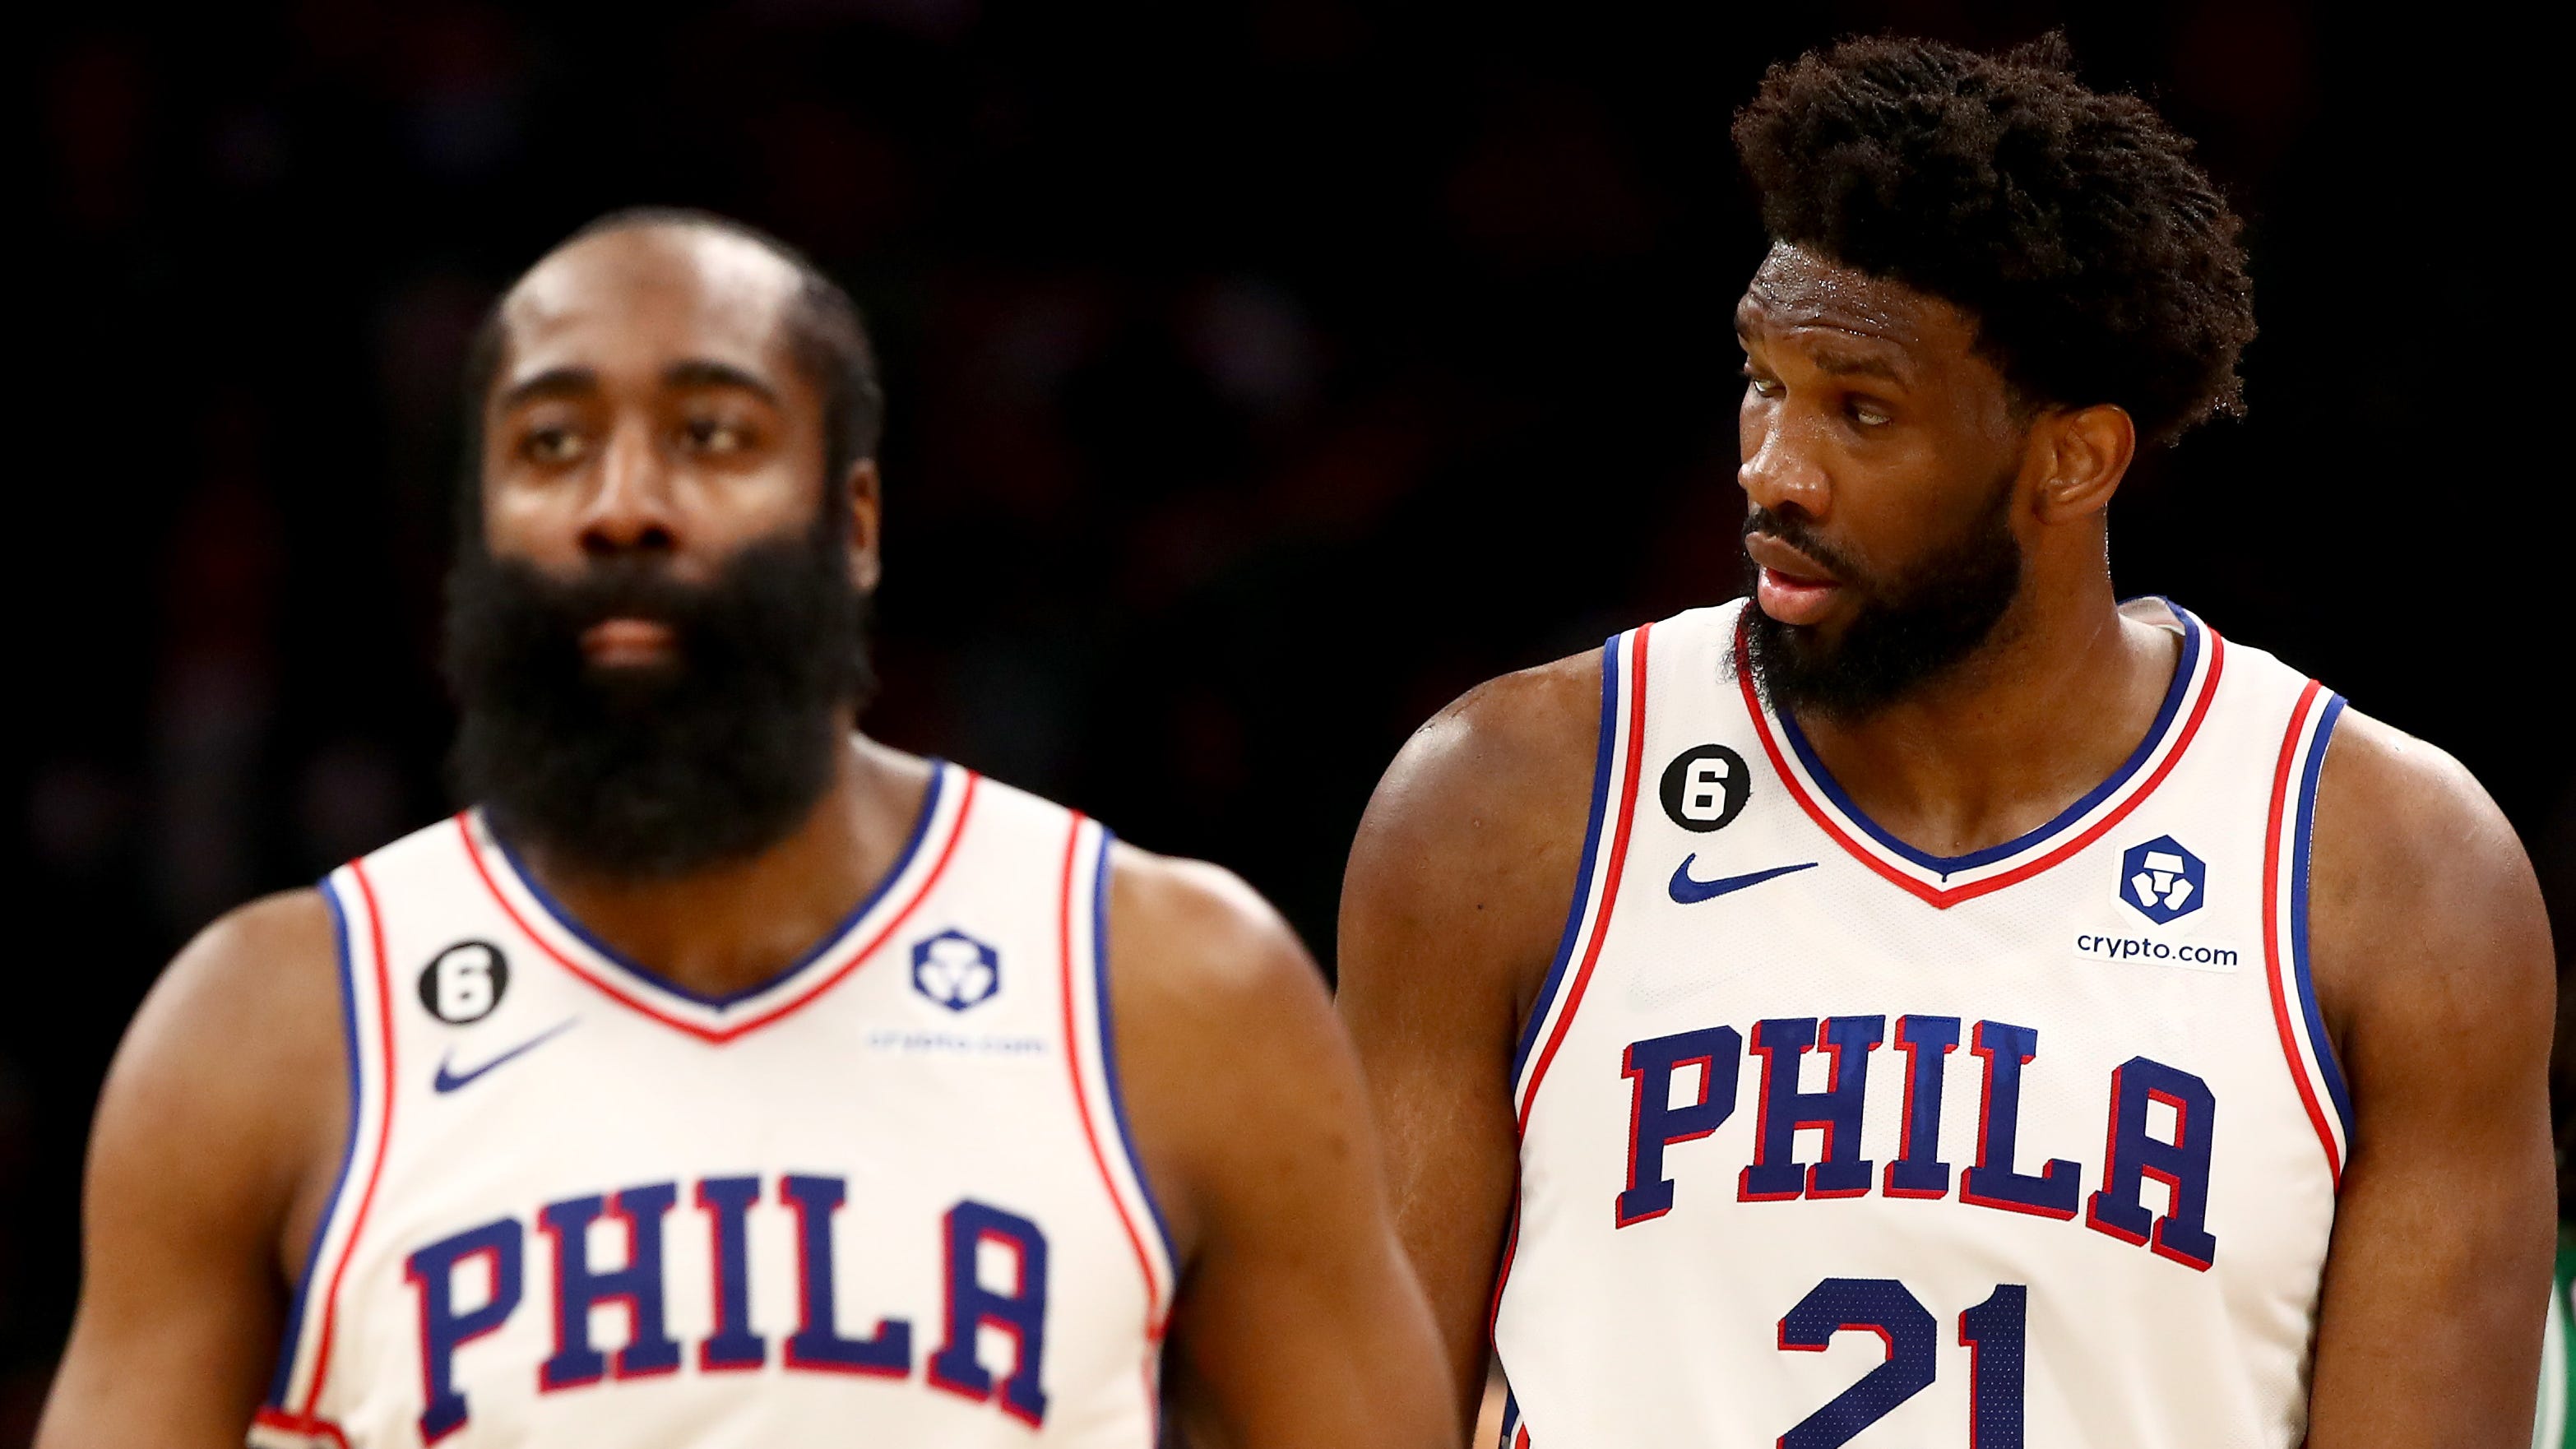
(1933, 1002)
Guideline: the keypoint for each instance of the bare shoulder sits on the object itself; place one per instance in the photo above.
(271, 955)
(1222, 1021)
(233, 1065)
(1204, 970)
(1517, 750)
(2421, 894)
(204, 1181)
(266, 972)
(1196, 956)
(1465, 862)
(1295, 1320)
(2431, 960)
(1192, 945)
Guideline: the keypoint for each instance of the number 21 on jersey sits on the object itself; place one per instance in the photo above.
(1991, 1332)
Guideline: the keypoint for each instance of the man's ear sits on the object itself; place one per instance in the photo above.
(867, 519)
(2083, 454)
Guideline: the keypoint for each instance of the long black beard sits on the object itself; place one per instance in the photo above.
(1910, 630)
(655, 773)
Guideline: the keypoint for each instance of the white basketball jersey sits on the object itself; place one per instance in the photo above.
(1826, 1140)
(886, 1198)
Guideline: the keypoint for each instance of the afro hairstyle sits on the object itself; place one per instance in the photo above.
(2099, 264)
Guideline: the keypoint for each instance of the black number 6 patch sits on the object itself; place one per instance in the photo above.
(464, 983)
(1704, 787)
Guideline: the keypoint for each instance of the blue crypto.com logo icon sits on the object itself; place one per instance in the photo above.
(2162, 879)
(956, 970)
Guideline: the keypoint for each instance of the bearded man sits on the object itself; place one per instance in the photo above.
(1934, 1002)
(725, 1077)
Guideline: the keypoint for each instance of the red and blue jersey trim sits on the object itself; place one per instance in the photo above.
(301, 1426)
(1102, 1041)
(2327, 1066)
(1108, 1035)
(718, 1020)
(281, 1385)
(2288, 838)
(1945, 881)
(1574, 914)
(362, 1010)
(1617, 763)
(1515, 1434)
(390, 1074)
(912, 843)
(1623, 707)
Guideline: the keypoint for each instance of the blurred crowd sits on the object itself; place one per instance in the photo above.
(1261, 376)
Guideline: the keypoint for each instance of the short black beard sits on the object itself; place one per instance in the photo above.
(1908, 631)
(655, 773)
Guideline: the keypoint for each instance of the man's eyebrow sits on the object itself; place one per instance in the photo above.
(553, 382)
(1856, 364)
(705, 372)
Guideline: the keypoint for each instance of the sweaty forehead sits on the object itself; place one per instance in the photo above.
(646, 297)
(1798, 290)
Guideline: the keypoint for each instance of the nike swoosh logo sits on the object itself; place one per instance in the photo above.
(1689, 892)
(447, 1081)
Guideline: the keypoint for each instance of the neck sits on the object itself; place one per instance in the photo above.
(1999, 745)
(732, 927)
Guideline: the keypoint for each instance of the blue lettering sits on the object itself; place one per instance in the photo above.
(817, 1344)
(649, 1349)
(727, 1202)
(982, 1293)
(2182, 1165)
(972, 1306)
(1776, 1174)
(443, 1328)
(1918, 1170)
(1655, 1124)
(1992, 1181)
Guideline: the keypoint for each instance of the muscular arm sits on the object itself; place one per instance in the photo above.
(1457, 891)
(1297, 1322)
(228, 1085)
(2433, 965)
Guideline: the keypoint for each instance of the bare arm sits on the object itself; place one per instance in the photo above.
(2433, 964)
(1457, 891)
(1297, 1322)
(228, 1086)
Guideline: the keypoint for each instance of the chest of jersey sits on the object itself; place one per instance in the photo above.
(1828, 1141)
(889, 1192)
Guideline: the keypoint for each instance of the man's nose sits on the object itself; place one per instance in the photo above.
(630, 507)
(1780, 470)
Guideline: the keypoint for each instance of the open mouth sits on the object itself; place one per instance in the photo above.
(1793, 588)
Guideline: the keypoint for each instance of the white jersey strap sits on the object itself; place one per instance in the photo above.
(1605, 850)
(2288, 834)
(286, 1417)
(1091, 1034)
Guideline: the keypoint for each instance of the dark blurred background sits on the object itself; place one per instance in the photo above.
(1261, 376)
